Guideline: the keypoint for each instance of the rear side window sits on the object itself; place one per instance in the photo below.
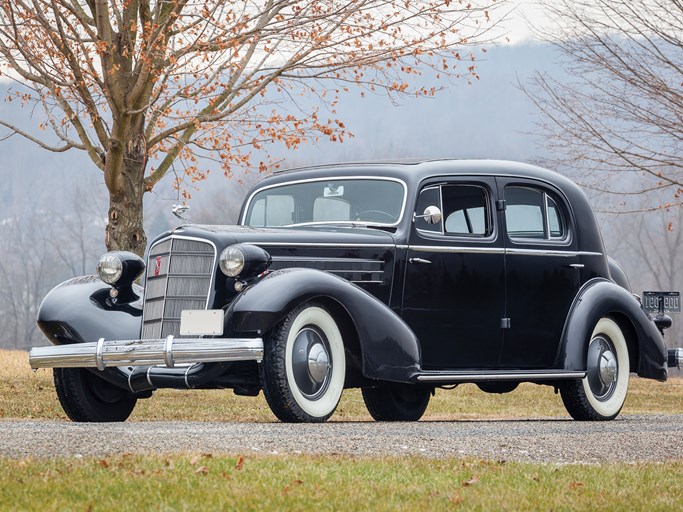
(532, 213)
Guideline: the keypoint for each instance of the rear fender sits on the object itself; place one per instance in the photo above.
(80, 310)
(389, 348)
(599, 298)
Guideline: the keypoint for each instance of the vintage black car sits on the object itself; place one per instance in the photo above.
(397, 278)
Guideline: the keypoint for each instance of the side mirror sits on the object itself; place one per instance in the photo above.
(431, 215)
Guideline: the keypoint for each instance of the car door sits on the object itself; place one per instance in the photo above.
(542, 271)
(453, 296)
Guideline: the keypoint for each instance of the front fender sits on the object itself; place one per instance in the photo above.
(599, 298)
(389, 348)
(80, 310)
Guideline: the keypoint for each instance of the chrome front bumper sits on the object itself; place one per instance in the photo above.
(156, 352)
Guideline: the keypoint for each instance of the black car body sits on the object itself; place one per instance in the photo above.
(393, 277)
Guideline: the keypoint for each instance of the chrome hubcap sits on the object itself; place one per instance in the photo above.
(311, 363)
(608, 367)
(603, 367)
(318, 362)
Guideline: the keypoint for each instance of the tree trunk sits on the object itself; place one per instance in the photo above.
(124, 175)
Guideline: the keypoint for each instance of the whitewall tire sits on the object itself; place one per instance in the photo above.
(600, 395)
(304, 365)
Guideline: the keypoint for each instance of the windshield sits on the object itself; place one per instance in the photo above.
(328, 201)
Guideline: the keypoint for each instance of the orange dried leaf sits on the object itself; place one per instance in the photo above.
(472, 481)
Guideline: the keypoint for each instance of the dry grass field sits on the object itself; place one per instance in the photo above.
(27, 394)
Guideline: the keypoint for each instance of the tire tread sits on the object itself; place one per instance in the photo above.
(273, 374)
(382, 404)
(81, 405)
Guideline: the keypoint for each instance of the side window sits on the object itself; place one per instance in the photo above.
(465, 208)
(531, 213)
(430, 196)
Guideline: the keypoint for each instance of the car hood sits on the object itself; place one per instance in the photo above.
(327, 236)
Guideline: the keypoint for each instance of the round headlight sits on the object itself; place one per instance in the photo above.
(110, 268)
(232, 261)
(245, 261)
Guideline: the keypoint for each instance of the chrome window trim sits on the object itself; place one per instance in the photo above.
(440, 206)
(317, 244)
(497, 250)
(550, 252)
(453, 249)
(247, 203)
(443, 235)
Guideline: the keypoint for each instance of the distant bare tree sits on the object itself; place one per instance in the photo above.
(618, 114)
(222, 205)
(649, 248)
(42, 244)
(76, 230)
(27, 272)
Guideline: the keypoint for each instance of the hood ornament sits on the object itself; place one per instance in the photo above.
(179, 211)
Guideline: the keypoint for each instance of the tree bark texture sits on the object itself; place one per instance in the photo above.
(124, 176)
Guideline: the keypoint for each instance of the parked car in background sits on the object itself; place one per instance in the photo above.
(396, 278)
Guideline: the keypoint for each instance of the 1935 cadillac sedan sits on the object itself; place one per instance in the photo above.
(395, 278)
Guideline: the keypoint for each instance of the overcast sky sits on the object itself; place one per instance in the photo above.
(521, 14)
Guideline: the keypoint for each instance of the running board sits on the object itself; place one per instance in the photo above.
(493, 376)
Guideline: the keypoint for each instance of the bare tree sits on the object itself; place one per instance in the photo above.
(27, 272)
(649, 247)
(141, 85)
(617, 114)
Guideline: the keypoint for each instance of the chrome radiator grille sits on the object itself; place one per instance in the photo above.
(179, 272)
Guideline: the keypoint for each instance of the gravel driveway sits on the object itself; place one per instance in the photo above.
(628, 439)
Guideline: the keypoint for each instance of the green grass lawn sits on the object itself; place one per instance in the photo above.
(332, 483)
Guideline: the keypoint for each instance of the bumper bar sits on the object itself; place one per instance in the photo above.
(156, 352)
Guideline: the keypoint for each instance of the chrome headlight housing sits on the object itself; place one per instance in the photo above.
(244, 261)
(120, 268)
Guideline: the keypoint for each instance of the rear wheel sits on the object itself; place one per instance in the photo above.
(86, 397)
(396, 402)
(304, 366)
(600, 395)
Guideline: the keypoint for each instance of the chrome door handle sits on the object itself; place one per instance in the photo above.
(577, 266)
(418, 260)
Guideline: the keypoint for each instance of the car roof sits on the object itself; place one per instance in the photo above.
(414, 171)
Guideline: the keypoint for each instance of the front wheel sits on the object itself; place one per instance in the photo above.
(304, 365)
(600, 395)
(396, 402)
(86, 397)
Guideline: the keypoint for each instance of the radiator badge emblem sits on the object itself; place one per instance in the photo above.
(157, 266)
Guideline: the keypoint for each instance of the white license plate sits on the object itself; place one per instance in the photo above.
(201, 322)
(670, 302)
